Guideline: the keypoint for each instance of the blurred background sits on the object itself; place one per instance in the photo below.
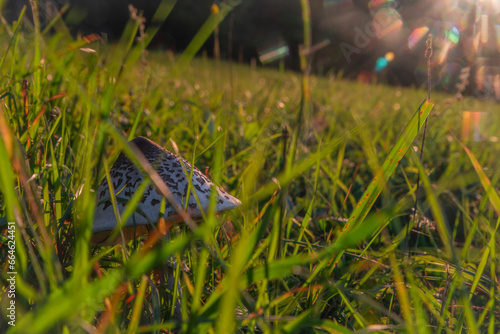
(368, 41)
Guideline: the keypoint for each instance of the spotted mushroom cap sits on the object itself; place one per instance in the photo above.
(126, 178)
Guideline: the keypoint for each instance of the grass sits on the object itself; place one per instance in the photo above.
(283, 262)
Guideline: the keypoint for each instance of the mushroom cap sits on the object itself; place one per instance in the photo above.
(126, 178)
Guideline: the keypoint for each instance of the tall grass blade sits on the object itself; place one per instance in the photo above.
(204, 33)
(136, 312)
(485, 181)
(159, 17)
(391, 162)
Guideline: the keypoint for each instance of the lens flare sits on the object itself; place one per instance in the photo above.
(272, 47)
(487, 79)
(445, 33)
(443, 52)
(487, 48)
(274, 53)
(452, 35)
(484, 28)
(375, 5)
(445, 36)
(381, 64)
(416, 36)
(388, 23)
(497, 33)
(472, 124)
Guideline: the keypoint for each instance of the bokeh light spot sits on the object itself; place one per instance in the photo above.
(473, 125)
(388, 22)
(389, 56)
(274, 53)
(453, 35)
(381, 64)
(445, 33)
(445, 36)
(272, 47)
(416, 36)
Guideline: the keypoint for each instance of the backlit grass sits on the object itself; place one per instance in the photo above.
(283, 262)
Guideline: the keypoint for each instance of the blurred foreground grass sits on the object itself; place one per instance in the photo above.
(281, 263)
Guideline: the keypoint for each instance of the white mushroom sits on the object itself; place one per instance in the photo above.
(126, 178)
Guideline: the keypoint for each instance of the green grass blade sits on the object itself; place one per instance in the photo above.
(495, 202)
(14, 34)
(297, 324)
(159, 17)
(71, 298)
(485, 181)
(203, 34)
(136, 312)
(439, 216)
(391, 162)
(6, 170)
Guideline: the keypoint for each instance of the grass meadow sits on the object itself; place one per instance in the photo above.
(325, 240)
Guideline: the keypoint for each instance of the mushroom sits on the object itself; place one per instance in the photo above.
(127, 177)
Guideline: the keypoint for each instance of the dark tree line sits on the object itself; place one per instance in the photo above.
(257, 26)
